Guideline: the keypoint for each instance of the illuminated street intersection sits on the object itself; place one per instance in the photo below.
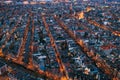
(59, 40)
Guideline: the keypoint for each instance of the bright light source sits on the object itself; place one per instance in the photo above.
(32, 2)
(25, 2)
(8, 2)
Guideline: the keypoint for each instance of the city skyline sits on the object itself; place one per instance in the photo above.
(59, 40)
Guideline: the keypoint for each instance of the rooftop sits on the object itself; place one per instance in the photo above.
(2, 64)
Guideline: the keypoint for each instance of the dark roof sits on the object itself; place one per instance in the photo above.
(1, 64)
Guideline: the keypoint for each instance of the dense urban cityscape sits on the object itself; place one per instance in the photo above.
(59, 39)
